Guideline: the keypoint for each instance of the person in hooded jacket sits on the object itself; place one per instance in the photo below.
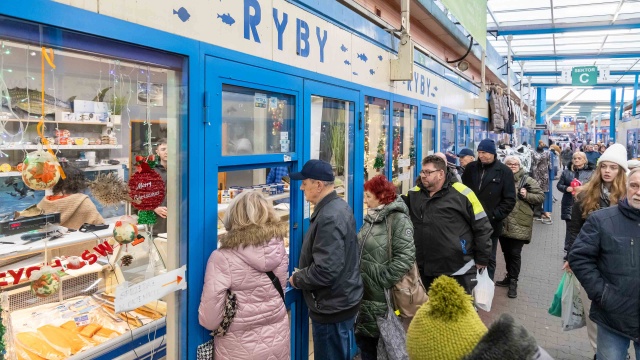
(386, 224)
(252, 247)
(606, 187)
(518, 226)
(566, 155)
(492, 182)
(604, 258)
(540, 171)
(579, 168)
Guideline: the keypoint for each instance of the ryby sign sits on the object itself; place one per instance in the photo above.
(584, 75)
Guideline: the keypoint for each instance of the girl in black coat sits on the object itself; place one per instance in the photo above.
(578, 168)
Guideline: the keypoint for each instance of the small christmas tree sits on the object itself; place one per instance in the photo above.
(412, 152)
(379, 161)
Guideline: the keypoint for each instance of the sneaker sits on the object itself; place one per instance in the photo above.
(547, 221)
(513, 289)
(503, 283)
(537, 218)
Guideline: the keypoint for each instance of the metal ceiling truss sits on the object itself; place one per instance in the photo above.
(550, 29)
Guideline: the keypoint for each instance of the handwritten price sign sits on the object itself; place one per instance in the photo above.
(129, 297)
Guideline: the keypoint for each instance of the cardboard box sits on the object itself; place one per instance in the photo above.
(84, 106)
(65, 116)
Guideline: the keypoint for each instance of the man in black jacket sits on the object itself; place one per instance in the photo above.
(329, 274)
(606, 261)
(451, 229)
(492, 181)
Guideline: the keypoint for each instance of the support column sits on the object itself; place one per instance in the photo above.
(612, 116)
(635, 96)
(621, 104)
(541, 104)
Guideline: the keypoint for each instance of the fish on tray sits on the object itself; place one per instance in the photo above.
(31, 101)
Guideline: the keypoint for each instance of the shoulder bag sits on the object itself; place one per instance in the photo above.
(206, 351)
(393, 340)
(409, 293)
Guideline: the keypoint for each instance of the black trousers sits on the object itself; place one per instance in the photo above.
(467, 281)
(491, 268)
(368, 347)
(566, 234)
(512, 250)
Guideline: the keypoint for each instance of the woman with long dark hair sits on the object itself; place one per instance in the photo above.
(607, 186)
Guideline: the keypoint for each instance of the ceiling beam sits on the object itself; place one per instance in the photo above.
(549, 29)
(559, 73)
(607, 85)
(577, 56)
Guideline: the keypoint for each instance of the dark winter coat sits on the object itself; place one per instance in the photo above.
(519, 224)
(377, 270)
(507, 340)
(329, 274)
(566, 178)
(567, 156)
(592, 157)
(606, 261)
(575, 224)
(494, 186)
(450, 228)
(540, 166)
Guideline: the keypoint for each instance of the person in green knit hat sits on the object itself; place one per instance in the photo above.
(447, 327)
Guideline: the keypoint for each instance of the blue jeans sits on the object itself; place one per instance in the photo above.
(612, 346)
(331, 341)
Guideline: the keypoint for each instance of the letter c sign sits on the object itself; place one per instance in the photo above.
(584, 78)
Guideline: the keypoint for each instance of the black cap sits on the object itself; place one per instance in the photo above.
(465, 152)
(316, 170)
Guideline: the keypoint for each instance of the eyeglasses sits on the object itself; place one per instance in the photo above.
(428, 172)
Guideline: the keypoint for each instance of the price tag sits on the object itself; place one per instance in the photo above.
(82, 320)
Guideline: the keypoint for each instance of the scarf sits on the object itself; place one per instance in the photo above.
(604, 195)
(373, 212)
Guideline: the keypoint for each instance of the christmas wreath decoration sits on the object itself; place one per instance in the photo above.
(146, 188)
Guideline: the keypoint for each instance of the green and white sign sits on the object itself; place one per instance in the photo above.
(584, 75)
(469, 12)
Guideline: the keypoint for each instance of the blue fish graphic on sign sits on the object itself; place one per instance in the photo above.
(433, 95)
(380, 57)
(347, 62)
(371, 71)
(435, 88)
(363, 57)
(182, 13)
(355, 73)
(227, 19)
(343, 48)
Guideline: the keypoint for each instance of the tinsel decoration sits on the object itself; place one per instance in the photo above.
(379, 161)
(108, 189)
(412, 152)
(146, 188)
(147, 217)
(126, 260)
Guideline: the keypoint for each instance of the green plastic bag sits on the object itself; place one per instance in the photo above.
(556, 305)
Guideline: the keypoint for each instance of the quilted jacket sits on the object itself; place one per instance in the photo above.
(566, 178)
(377, 270)
(519, 224)
(260, 329)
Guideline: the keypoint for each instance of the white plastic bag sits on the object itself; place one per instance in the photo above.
(573, 316)
(483, 292)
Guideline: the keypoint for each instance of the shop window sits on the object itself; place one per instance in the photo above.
(448, 133)
(428, 136)
(332, 138)
(403, 149)
(256, 121)
(272, 183)
(101, 111)
(375, 137)
(463, 135)
(479, 133)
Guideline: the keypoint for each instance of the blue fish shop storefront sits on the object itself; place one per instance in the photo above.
(244, 92)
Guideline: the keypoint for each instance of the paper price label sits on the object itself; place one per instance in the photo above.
(82, 320)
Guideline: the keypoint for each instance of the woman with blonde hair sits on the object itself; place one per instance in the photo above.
(580, 169)
(607, 186)
(248, 257)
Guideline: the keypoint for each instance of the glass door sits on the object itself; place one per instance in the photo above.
(426, 135)
(331, 111)
(462, 139)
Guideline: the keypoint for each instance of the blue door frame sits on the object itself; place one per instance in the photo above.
(425, 110)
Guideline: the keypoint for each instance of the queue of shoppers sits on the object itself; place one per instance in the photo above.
(450, 230)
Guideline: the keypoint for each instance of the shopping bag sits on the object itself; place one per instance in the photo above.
(392, 341)
(483, 292)
(573, 316)
(556, 304)
(205, 351)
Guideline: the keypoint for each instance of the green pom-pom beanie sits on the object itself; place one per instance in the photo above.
(447, 326)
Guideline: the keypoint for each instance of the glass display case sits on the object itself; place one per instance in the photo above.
(102, 114)
(403, 148)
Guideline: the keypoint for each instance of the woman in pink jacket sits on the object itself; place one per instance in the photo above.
(252, 247)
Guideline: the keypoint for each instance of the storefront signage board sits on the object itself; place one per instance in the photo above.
(584, 76)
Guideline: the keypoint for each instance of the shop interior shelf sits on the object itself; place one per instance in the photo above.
(47, 122)
(88, 169)
(224, 207)
(65, 147)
